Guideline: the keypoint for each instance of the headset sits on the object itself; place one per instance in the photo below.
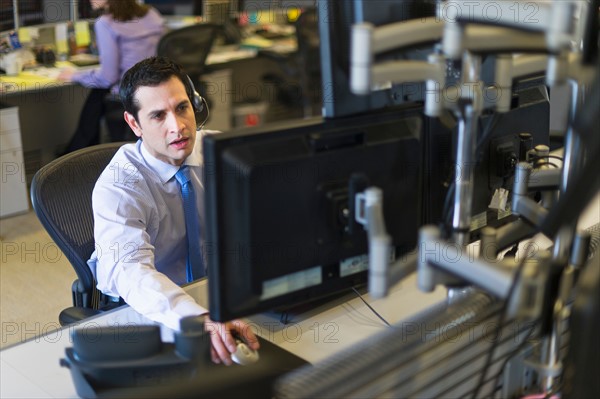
(199, 104)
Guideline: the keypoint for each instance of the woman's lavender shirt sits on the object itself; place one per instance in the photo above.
(121, 45)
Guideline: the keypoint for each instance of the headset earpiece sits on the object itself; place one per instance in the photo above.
(199, 105)
(197, 100)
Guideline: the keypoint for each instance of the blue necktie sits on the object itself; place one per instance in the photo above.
(195, 264)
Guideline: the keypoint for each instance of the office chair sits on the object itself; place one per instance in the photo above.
(118, 129)
(189, 47)
(304, 65)
(61, 195)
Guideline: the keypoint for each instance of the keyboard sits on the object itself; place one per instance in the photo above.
(267, 34)
(82, 60)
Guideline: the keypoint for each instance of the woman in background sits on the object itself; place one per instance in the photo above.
(126, 33)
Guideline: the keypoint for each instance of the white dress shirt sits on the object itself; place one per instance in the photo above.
(139, 228)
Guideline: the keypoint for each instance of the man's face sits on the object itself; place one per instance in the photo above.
(167, 124)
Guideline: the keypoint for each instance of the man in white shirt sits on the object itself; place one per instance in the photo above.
(139, 224)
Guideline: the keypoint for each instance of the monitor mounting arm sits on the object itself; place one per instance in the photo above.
(444, 262)
(441, 262)
(554, 20)
(367, 41)
(369, 213)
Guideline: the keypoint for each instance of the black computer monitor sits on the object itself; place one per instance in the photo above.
(498, 149)
(279, 206)
(336, 18)
(177, 7)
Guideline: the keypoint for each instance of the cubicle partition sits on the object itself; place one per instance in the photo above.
(48, 115)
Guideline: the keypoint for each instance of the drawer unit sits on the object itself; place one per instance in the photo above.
(13, 181)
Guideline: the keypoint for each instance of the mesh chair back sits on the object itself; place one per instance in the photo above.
(61, 195)
(189, 46)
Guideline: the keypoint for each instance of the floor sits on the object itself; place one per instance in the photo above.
(35, 280)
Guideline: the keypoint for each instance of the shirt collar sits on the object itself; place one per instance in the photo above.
(166, 171)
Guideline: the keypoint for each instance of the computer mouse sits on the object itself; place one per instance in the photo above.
(244, 355)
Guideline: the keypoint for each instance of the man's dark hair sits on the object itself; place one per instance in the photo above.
(151, 72)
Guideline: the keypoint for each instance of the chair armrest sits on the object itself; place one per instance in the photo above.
(75, 314)
(81, 295)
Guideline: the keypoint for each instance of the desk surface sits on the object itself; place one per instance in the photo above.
(43, 77)
(31, 369)
(250, 48)
(39, 78)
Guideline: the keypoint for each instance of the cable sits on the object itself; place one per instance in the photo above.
(207, 114)
(370, 307)
(501, 320)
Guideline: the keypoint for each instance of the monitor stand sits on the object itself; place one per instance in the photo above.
(290, 314)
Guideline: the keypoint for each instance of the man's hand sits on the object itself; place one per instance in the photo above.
(223, 341)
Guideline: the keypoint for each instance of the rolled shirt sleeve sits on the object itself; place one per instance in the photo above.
(108, 74)
(125, 225)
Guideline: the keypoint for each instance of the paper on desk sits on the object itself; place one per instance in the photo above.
(26, 34)
(82, 33)
(25, 81)
(61, 33)
(284, 46)
(226, 56)
(257, 42)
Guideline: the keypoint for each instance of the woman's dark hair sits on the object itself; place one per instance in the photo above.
(149, 72)
(126, 10)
